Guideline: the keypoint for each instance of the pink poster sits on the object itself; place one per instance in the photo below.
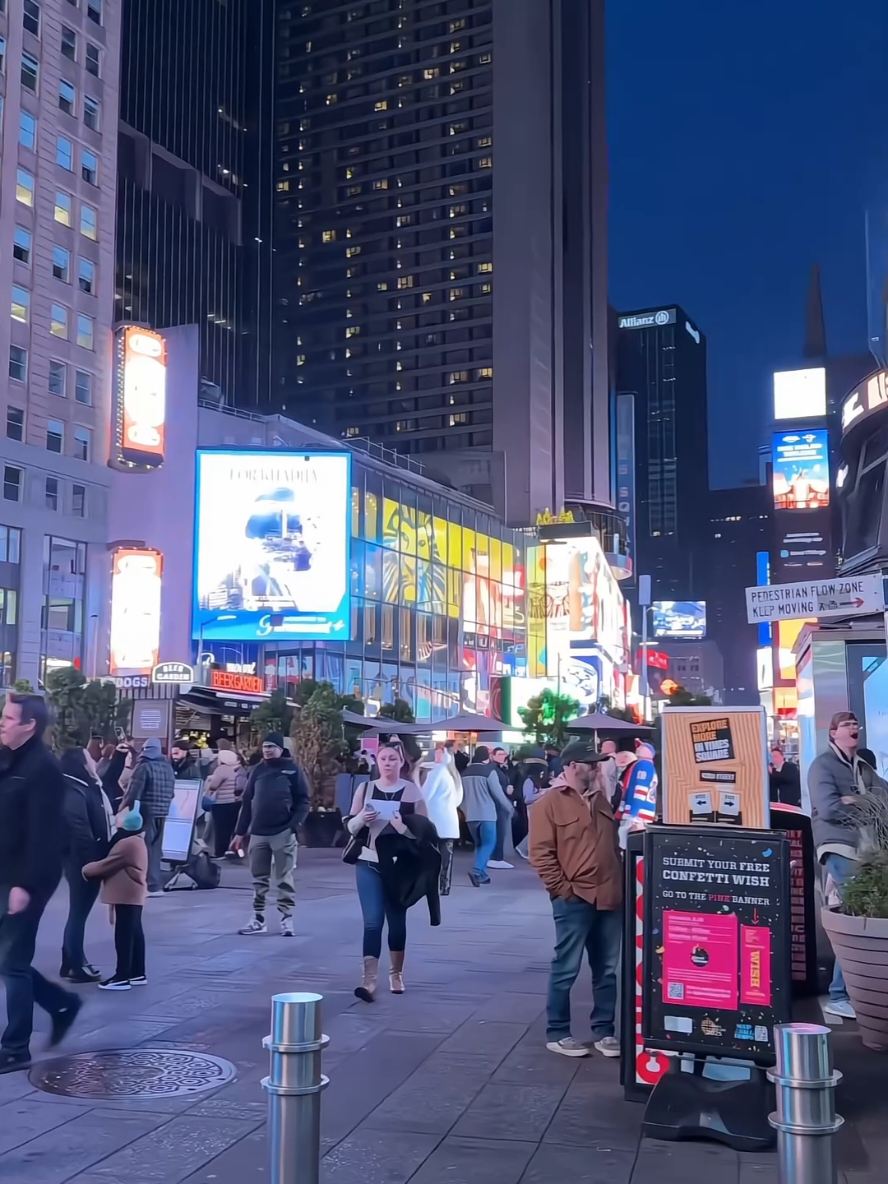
(700, 955)
(755, 965)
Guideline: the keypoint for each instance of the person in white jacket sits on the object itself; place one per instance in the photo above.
(442, 791)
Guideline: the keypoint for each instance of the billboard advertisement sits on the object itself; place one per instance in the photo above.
(140, 397)
(136, 580)
(626, 466)
(800, 394)
(684, 620)
(871, 396)
(801, 469)
(272, 540)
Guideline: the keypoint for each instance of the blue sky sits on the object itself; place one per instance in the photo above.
(746, 141)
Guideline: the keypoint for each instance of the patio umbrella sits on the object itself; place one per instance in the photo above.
(600, 721)
(468, 722)
(377, 723)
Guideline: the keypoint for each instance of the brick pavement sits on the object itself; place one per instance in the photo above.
(448, 1084)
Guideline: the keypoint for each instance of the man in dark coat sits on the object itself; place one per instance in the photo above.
(33, 841)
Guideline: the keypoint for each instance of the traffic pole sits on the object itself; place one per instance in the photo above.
(805, 1118)
(294, 1086)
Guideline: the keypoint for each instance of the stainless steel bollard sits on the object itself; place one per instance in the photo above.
(805, 1118)
(294, 1086)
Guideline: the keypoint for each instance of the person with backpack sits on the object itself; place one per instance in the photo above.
(123, 875)
(89, 818)
(225, 787)
(153, 783)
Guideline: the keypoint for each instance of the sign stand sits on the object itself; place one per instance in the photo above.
(687, 1105)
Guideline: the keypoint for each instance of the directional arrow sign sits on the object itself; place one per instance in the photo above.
(853, 597)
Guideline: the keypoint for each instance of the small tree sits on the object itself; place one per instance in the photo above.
(274, 715)
(318, 741)
(103, 710)
(22, 686)
(547, 715)
(400, 712)
(65, 689)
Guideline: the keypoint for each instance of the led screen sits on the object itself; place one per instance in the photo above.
(272, 543)
(680, 618)
(799, 394)
(801, 470)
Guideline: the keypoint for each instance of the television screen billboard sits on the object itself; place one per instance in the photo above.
(681, 619)
(799, 394)
(272, 546)
(801, 470)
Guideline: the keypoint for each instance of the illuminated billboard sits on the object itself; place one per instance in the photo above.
(801, 470)
(799, 394)
(871, 396)
(140, 411)
(272, 546)
(136, 581)
(681, 619)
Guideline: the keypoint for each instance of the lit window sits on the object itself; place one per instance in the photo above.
(21, 245)
(78, 501)
(12, 484)
(67, 97)
(65, 153)
(24, 187)
(91, 112)
(457, 293)
(92, 59)
(27, 130)
(331, 99)
(15, 423)
(64, 207)
(69, 43)
(485, 59)
(459, 417)
(383, 184)
(484, 142)
(431, 72)
(55, 435)
(30, 72)
(20, 307)
(352, 431)
(58, 321)
(58, 376)
(31, 17)
(283, 186)
(89, 223)
(329, 236)
(382, 105)
(18, 363)
(353, 331)
(86, 276)
(83, 387)
(427, 298)
(61, 264)
(484, 372)
(382, 286)
(89, 167)
(86, 331)
(352, 251)
(82, 443)
(486, 162)
(486, 289)
(405, 281)
(52, 493)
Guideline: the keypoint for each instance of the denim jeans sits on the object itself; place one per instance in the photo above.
(503, 827)
(484, 838)
(24, 985)
(82, 895)
(840, 869)
(579, 927)
(377, 909)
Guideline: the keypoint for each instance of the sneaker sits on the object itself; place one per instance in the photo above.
(157, 892)
(608, 1046)
(286, 927)
(841, 1008)
(139, 980)
(523, 854)
(11, 1062)
(257, 925)
(568, 1047)
(62, 1020)
(501, 865)
(115, 984)
(476, 879)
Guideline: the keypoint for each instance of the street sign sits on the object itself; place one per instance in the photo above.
(173, 672)
(857, 596)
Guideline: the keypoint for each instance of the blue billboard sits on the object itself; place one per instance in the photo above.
(801, 469)
(684, 620)
(272, 546)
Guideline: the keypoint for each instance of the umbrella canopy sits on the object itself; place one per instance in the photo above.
(468, 722)
(377, 723)
(599, 721)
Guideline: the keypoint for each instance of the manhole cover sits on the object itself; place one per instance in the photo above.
(132, 1073)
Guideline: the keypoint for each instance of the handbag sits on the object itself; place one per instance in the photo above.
(207, 802)
(356, 843)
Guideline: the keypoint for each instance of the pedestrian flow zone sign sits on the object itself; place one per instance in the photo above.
(853, 597)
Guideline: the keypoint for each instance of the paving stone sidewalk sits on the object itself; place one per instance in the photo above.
(448, 1084)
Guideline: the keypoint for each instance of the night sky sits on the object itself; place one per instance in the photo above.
(746, 141)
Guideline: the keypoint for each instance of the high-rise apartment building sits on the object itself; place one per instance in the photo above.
(440, 238)
(57, 185)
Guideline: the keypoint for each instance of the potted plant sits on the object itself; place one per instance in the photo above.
(859, 930)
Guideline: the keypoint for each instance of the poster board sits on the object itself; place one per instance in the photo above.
(716, 941)
(715, 767)
(178, 827)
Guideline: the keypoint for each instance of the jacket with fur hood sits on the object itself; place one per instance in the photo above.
(227, 782)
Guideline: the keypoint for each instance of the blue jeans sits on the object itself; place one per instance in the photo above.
(484, 838)
(377, 909)
(840, 869)
(582, 926)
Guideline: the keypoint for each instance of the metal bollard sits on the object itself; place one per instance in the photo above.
(294, 1086)
(805, 1119)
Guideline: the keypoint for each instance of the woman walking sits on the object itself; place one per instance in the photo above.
(442, 792)
(225, 785)
(379, 808)
(124, 877)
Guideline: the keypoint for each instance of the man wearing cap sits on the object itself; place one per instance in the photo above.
(153, 783)
(836, 780)
(574, 849)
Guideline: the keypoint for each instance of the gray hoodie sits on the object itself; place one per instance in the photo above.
(832, 777)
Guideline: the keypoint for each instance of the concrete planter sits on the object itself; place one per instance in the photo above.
(861, 946)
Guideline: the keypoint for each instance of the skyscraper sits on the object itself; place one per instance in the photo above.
(440, 238)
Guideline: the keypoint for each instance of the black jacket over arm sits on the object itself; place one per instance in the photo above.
(33, 832)
(410, 865)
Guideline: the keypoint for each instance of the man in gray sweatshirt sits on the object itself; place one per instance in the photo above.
(482, 796)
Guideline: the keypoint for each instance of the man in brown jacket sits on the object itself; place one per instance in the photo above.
(575, 851)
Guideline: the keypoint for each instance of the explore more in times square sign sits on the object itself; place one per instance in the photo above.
(272, 546)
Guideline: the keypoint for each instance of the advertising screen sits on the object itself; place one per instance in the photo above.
(136, 580)
(799, 394)
(141, 396)
(272, 544)
(685, 619)
(801, 470)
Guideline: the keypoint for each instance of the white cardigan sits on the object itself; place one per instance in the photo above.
(442, 799)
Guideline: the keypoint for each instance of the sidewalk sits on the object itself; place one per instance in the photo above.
(448, 1084)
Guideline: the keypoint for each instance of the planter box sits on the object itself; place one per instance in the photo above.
(861, 946)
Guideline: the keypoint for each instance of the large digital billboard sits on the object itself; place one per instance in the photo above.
(801, 469)
(682, 619)
(136, 582)
(272, 540)
(800, 394)
(140, 407)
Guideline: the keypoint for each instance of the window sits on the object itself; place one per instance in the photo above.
(12, 483)
(61, 264)
(86, 276)
(10, 544)
(92, 59)
(64, 207)
(27, 130)
(83, 387)
(94, 10)
(15, 423)
(55, 435)
(67, 96)
(24, 187)
(58, 377)
(18, 363)
(89, 167)
(52, 493)
(65, 153)
(20, 309)
(69, 43)
(30, 71)
(89, 224)
(31, 17)
(2, 54)
(21, 245)
(91, 112)
(58, 321)
(82, 443)
(86, 331)
(78, 501)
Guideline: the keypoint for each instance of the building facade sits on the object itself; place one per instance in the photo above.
(57, 204)
(416, 302)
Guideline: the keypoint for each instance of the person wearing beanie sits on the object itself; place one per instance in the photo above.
(153, 783)
(483, 795)
(124, 876)
(225, 785)
(275, 804)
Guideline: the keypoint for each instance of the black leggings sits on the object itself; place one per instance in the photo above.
(129, 941)
(225, 817)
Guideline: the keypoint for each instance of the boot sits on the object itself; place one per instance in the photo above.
(367, 989)
(396, 976)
